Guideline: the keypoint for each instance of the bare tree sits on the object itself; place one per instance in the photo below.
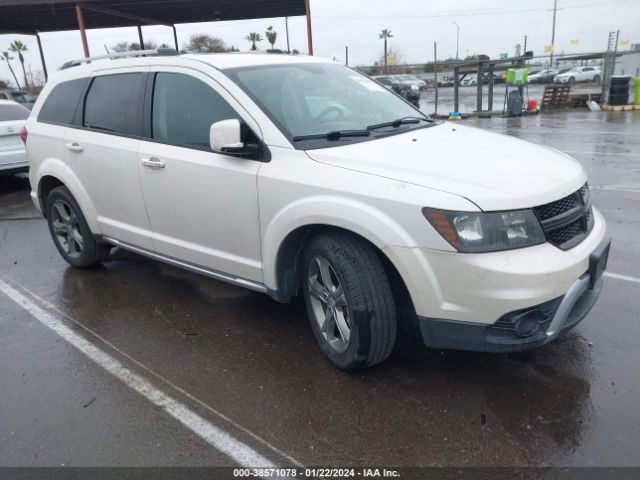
(271, 35)
(202, 43)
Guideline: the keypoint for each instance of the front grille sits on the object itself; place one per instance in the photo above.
(556, 208)
(566, 222)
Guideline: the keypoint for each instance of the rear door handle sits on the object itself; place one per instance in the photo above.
(75, 147)
(153, 162)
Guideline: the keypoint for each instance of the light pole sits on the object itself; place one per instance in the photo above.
(457, 38)
(553, 33)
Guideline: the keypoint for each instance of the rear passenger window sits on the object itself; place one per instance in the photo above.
(60, 105)
(184, 109)
(114, 103)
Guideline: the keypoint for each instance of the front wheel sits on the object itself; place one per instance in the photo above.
(70, 231)
(349, 301)
(572, 80)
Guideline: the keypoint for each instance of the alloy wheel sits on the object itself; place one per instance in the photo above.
(66, 228)
(329, 304)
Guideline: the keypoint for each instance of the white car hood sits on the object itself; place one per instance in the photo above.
(496, 172)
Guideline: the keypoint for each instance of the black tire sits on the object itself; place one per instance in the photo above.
(572, 80)
(596, 78)
(369, 309)
(84, 254)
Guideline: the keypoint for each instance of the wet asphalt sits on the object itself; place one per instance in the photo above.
(250, 365)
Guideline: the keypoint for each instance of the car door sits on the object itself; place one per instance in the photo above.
(203, 206)
(102, 152)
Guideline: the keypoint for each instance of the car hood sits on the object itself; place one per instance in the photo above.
(494, 171)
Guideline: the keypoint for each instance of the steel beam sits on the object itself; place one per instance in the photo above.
(479, 88)
(309, 33)
(128, 16)
(140, 39)
(83, 32)
(44, 65)
(456, 87)
(175, 37)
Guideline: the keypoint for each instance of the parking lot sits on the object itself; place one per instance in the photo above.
(185, 370)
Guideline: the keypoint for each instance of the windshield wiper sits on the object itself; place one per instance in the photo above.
(333, 135)
(400, 121)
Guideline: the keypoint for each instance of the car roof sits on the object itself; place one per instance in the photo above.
(220, 61)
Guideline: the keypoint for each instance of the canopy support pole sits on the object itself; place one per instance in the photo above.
(309, 34)
(83, 33)
(175, 37)
(140, 39)
(44, 65)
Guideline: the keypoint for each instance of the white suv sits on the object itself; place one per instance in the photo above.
(296, 176)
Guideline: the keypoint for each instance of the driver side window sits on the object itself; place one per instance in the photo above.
(184, 109)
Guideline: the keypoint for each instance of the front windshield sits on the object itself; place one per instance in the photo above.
(316, 98)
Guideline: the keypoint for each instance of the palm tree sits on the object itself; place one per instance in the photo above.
(5, 56)
(18, 47)
(253, 37)
(385, 34)
(271, 36)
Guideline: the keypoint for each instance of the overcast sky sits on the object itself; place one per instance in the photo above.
(488, 26)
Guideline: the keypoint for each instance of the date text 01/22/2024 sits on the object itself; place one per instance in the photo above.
(315, 473)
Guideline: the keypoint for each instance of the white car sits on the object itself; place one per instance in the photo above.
(579, 74)
(13, 157)
(412, 80)
(375, 214)
(470, 80)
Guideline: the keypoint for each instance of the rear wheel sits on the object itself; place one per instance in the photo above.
(596, 78)
(349, 301)
(70, 232)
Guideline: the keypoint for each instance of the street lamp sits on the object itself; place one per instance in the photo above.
(457, 38)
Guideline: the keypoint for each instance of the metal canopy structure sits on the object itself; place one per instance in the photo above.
(31, 17)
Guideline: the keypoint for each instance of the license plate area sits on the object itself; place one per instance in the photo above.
(598, 262)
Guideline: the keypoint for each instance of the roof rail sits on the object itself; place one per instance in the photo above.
(164, 52)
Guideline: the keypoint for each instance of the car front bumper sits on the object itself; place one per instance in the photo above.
(546, 322)
(473, 296)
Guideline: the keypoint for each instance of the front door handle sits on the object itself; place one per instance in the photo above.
(153, 162)
(74, 147)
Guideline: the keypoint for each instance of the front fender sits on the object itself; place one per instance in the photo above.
(352, 215)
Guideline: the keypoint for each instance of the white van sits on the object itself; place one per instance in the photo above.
(296, 176)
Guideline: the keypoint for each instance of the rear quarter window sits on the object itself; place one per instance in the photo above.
(10, 112)
(60, 106)
(114, 103)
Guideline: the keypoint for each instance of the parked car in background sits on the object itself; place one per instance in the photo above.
(412, 80)
(22, 97)
(543, 76)
(409, 91)
(376, 215)
(13, 157)
(469, 80)
(445, 82)
(579, 74)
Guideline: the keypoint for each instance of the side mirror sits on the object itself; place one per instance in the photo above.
(225, 137)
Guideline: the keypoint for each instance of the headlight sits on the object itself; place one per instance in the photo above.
(472, 232)
(415, 88)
